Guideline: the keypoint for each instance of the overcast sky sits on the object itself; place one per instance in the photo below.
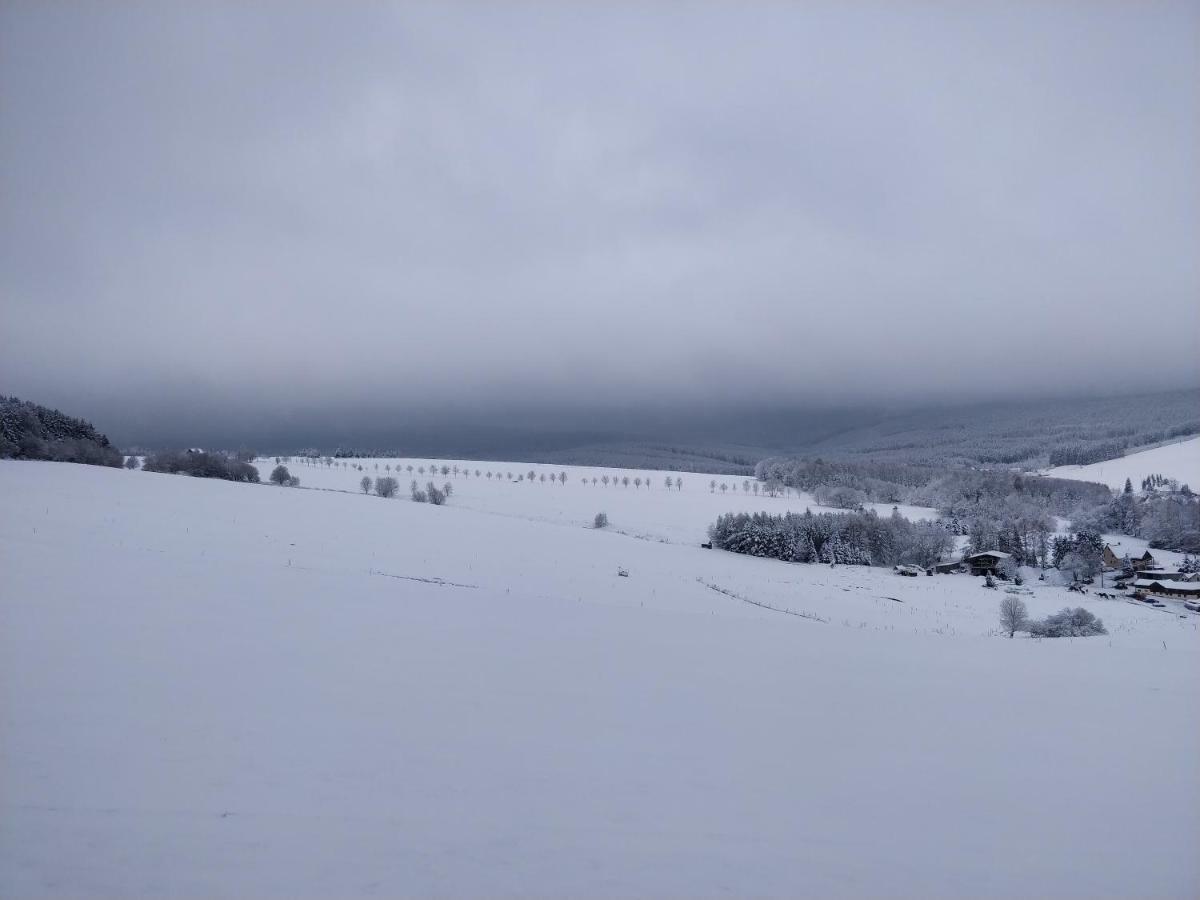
(284, 209)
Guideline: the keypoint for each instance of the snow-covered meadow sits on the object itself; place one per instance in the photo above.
(1180, 461)
(214, 689)
(651, 510)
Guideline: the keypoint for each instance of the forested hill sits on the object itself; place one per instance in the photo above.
(31, 431)
(1028, 435)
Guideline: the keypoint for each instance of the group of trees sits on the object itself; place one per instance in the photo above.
(431, 493)
(959, 492)
(1081, 555)
(201, 464)
(853, 538)
(387, 487)
(1077, 622)
(1167, 519)
(31, 431)
(1021, 533)
(768, 489)
(282, 477)
(1085, 454)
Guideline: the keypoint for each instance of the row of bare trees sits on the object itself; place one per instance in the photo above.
(767, 489)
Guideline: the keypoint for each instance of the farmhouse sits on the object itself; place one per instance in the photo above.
(1113, 561)
(986, 563)
(1168, 588)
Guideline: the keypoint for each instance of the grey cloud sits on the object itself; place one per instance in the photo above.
(298, 210)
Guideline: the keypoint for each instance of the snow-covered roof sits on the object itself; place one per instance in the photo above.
(999, 554)
(1188, 587)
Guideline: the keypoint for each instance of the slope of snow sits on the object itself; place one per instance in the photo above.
(220, 690)
(654, 512)
(1180, 461)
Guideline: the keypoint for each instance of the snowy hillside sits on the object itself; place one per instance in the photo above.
(1180, 461)
(224, 690)
(651, 510)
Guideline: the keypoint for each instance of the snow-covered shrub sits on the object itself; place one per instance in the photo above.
(434, 494)
(280, 475)
(1077, 622)
(132, 462)
(601, 520)
(386, 486)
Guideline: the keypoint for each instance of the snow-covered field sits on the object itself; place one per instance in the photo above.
(654, 512)
(1180, 461)
(221, 690)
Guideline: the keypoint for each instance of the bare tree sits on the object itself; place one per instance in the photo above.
(131, 462)
(1013, 615)
(601, 520)
(365, 484)
(562, 478)
(712, 486)
(386, 486)
(678, 483)
(724, 487)
(637, 481)
(625, 481)
(604, 479)
(668, 482)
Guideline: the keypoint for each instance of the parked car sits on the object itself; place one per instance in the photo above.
(910, 571)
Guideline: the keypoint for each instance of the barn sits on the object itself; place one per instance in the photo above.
(988, 562)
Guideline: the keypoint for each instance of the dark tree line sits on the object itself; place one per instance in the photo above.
(1085, 454)
(31, 431)
(857, 538)
(201, 464)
